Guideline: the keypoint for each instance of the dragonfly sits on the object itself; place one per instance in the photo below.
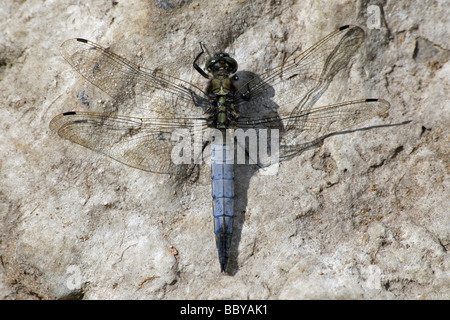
(163, 124)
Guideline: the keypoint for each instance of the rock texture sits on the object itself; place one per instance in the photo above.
(364, 216)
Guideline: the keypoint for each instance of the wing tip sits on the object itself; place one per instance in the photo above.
(382, 108)
(378, 100)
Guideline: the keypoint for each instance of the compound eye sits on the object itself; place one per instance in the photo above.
(232, 64)
(210, 63)
(221, 60)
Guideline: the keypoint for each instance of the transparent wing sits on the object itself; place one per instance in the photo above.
(302, 129)
(300, 81)
(142, 143)
(125, 81)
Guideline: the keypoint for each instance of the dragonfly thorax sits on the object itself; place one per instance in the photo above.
(221, 93)
(222, 114)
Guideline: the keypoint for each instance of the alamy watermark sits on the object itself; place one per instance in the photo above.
(231, 146)
(374, 17)
(373, 274)
(74, 277)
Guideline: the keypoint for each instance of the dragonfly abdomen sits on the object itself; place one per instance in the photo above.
(222, 175)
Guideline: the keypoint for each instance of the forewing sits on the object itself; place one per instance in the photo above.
(299, 82)
(124, 81)
(141, 143)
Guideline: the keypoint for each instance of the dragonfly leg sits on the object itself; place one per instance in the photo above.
(196, 99)
(197, 67)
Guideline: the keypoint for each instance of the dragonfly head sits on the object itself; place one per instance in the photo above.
(221, 64)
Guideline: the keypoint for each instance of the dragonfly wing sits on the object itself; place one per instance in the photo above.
(301, 130)
(307, 75)
(124, 80)
(142, 143)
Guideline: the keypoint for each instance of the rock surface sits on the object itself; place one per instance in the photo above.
(364, 216)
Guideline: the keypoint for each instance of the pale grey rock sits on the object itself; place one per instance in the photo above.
(364, 216)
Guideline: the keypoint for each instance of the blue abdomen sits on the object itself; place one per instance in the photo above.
(222, 175)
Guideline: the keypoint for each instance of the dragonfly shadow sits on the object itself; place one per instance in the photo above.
(244, 173)
(261, 105)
